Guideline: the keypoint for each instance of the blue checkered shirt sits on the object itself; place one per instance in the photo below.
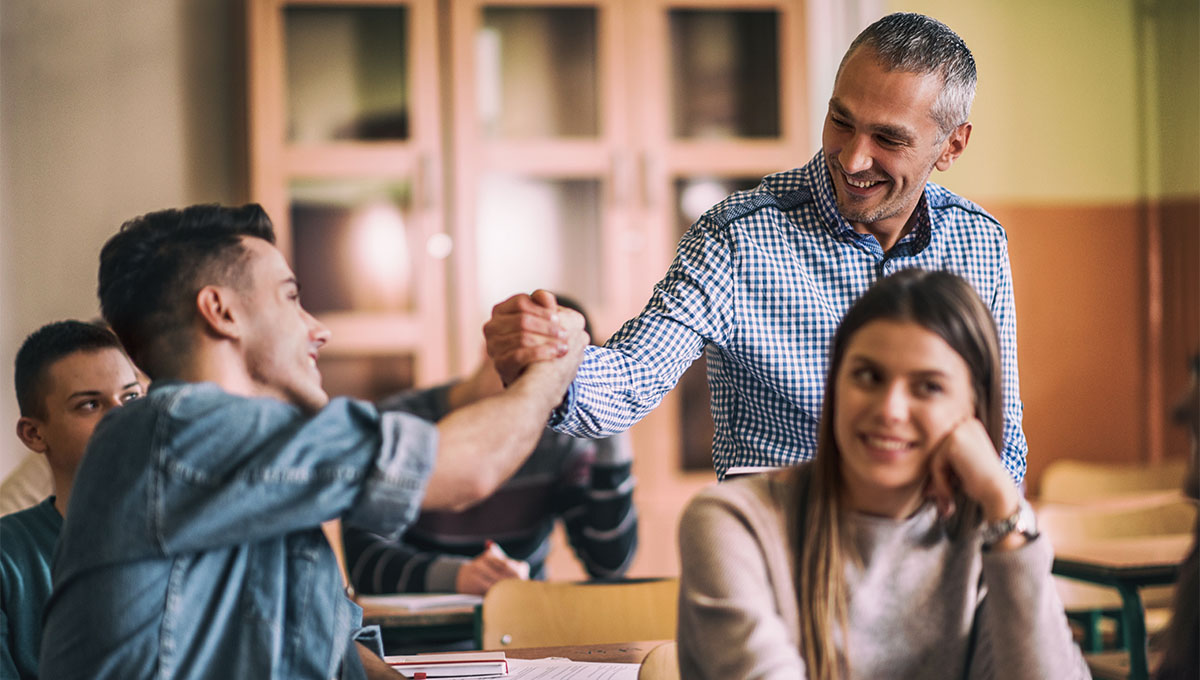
(762, 280)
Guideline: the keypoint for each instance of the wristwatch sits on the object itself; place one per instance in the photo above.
(1023, 520)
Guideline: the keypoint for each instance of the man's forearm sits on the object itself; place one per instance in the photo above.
(376, 668)
(483, 444)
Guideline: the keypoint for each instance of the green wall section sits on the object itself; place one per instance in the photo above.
(1062, 113)
(1176, 38)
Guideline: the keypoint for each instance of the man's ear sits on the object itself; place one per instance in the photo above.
(954, 146)
(216, 307)
(29, 431)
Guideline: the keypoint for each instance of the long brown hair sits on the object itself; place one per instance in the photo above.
(947, 306)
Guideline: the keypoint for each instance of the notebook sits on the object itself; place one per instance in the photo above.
(450, 664)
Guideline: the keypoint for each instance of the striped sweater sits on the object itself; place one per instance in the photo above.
(586, 483)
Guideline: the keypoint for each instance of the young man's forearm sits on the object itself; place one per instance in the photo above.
(376, 668)
(483, 444)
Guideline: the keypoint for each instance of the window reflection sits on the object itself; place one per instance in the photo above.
(537, 72)
(538, 233)
(347, 73)
(353, 250)
(724, 73)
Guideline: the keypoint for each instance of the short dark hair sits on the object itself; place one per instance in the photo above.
(151, 271)
(43, 348)
(915, 43)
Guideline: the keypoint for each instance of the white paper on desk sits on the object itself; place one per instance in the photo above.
(565, 669)
(415, 602)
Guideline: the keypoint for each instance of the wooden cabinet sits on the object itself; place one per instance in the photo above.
(345, 152)
(424, 160)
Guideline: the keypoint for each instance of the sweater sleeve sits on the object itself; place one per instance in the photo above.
(380, 566)
(731, 600)
(600, 518)
(1021, 628)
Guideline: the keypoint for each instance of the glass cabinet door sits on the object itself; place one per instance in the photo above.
(347, 73)
(719, 103)
(724, 66)
(345, 156)
(352, 246)
(537, 72)
(539, 135)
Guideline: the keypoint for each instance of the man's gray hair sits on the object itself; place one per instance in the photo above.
(914, 43)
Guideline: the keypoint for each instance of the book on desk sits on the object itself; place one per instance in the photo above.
(450, 665)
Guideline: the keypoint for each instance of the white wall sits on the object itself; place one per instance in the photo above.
(107, 110)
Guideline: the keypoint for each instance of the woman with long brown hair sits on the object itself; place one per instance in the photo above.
(904, 549)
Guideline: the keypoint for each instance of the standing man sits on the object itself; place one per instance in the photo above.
(193, 546)
(762, 279)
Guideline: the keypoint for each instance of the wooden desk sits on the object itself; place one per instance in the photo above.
(1126, 564)
(402, 627)
(616, 652)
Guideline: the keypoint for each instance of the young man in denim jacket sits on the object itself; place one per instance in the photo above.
(193, 546)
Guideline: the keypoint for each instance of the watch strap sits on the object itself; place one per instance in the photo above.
(1023, 520)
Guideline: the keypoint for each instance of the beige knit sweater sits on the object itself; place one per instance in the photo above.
(915, 603)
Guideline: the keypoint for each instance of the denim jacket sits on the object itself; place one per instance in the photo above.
(192, 545)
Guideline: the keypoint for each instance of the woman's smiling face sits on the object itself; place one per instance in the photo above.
(899, 390)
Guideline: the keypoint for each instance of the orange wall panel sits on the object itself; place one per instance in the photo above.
(1078, 274)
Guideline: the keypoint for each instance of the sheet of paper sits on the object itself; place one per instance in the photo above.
(563, 669)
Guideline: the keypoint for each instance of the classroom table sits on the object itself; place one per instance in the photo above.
(1126, 564)
(404, 630)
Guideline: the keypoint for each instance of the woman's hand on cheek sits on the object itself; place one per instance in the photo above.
(966, 459)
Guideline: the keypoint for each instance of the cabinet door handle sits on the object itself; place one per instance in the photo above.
(426, 182)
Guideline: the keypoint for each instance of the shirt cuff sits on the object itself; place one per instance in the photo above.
(561, 412)
(395, 486)
(370, 637)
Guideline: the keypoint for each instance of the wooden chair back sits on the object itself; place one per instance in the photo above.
(662, 663)
(520, 613)
(1077, 481)
(1065, 523)
(333, 533)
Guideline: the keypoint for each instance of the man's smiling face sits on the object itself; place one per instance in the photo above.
(281, 340)
(881, 142)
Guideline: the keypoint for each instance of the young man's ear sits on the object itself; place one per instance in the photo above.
(29, 431)
(954, 146)
(216, 307)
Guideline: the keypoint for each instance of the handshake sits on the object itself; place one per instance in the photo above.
(534, 332)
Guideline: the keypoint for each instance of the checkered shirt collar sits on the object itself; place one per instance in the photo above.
(815, 174)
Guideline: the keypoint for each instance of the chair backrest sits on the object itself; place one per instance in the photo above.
(520, 613)
(662, 663)
(1065, 522)
(333, 534)
(1077, 481)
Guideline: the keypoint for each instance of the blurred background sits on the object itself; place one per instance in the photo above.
(425, 159)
